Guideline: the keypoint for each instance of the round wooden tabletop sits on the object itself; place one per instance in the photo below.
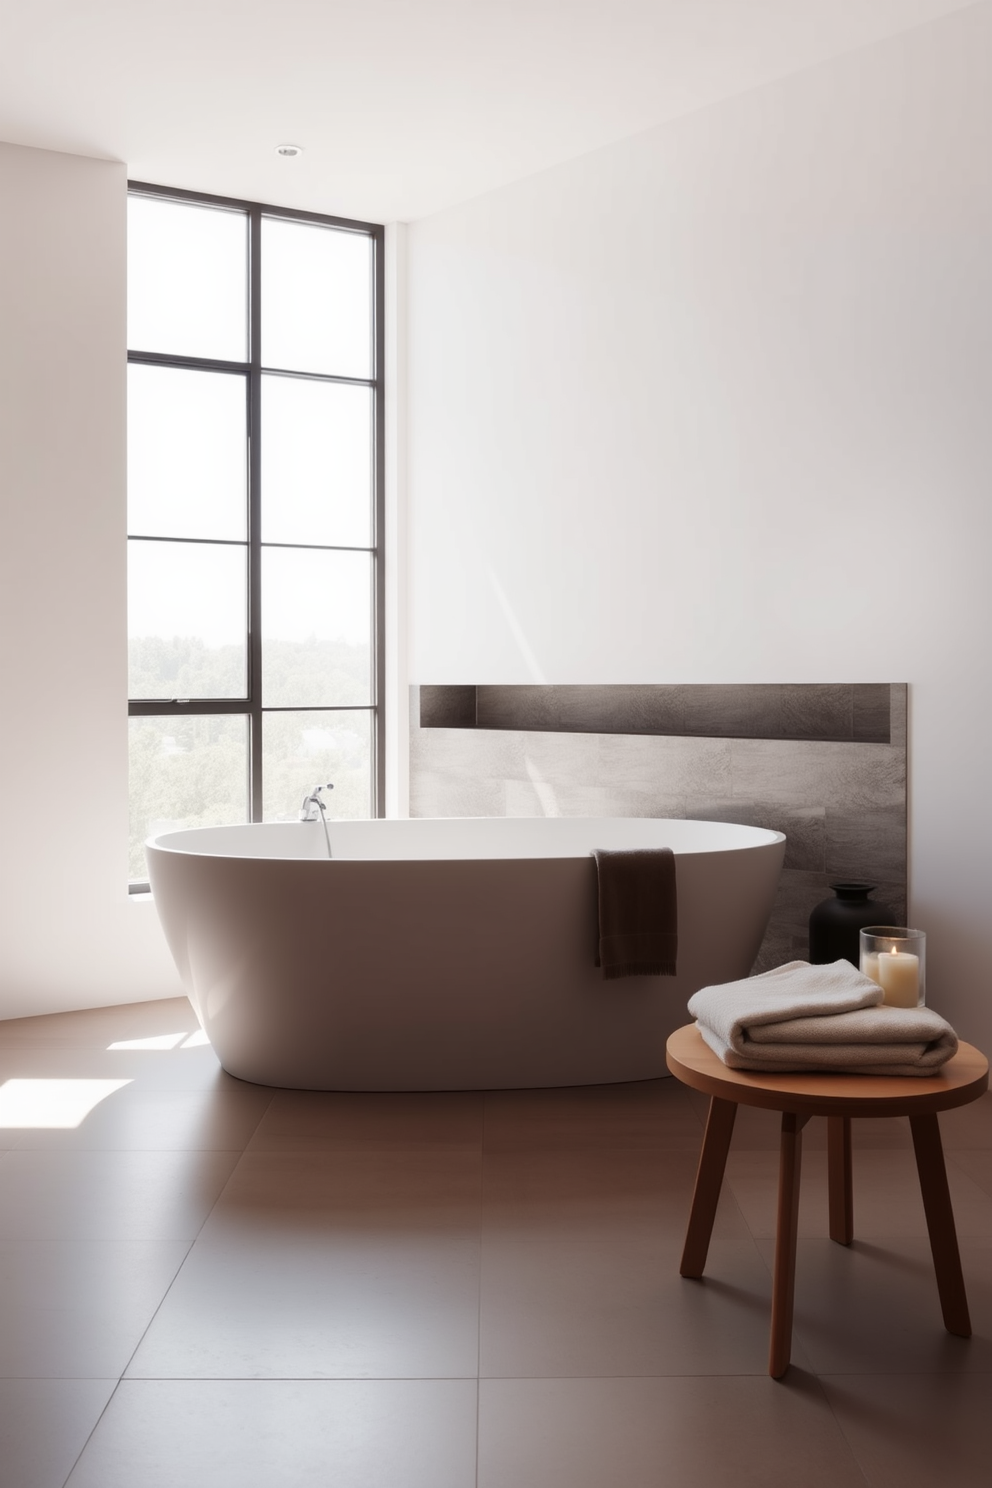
(964, 1078)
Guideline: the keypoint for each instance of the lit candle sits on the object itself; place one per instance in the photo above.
(899, 976)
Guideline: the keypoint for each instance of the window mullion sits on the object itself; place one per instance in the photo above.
(255, 506)
(379, 561)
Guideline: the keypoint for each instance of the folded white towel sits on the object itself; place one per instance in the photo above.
(802, 1017)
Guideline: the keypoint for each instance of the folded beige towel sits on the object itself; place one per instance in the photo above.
(802, 1017)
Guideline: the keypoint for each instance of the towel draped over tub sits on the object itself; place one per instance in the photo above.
(638, 912)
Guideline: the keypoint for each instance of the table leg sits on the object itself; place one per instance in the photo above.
(709, 1181)
(940, 1223)
(784, 1279)
(839, 1179)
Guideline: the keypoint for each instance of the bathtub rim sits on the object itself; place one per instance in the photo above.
(757, 838)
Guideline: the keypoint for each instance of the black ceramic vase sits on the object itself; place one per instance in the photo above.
(835, 925)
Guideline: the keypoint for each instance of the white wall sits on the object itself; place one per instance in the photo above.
(68, 936)
(713, 405)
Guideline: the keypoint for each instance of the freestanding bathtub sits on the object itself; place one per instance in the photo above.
(443, 955)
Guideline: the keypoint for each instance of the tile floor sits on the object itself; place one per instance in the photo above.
(207, 1284)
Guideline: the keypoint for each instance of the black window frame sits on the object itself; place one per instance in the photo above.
(252, 370)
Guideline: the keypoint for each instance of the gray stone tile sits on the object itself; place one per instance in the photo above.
(563, 759)
(817, 711)
(777, 948)
(872, 708)
(899, 714)
(471, 754)
(848, 776)
(445, 795)
(447, 707)
(734, 712)
(866, 844)
(894, 895)
(674, 766)
(548, 798)
(542, 798)
(798, 894)
(642, 801)
(522, 708)
(624, 709)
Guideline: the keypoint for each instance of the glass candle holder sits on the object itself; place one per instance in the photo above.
(896, 959)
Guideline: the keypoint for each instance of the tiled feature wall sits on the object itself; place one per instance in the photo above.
(833, 779)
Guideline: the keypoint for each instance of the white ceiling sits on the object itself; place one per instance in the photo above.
(403, 106)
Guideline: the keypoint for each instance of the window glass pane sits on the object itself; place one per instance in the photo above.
(316, 628)
(187, 287)
(316, 462)
(316, 299)
(301, 749)
(186, 620)
(185, 772)
(186, 453)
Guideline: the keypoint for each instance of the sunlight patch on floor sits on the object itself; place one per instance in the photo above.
(52, 1103)
(159, 1041)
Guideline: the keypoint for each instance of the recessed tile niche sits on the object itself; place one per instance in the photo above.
(825, 764)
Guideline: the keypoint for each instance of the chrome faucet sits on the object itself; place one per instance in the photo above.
(312, 808)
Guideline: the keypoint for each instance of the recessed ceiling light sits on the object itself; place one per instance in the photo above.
(289, 152)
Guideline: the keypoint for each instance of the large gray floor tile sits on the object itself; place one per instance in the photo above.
(155, 1069)
(350, 1264)
(329, 1305)
(300, 1433)
(109, 1195)
(327, 1121)
(886, 1194)
(657, 1114)
(415, 1187)
(916, 1431)
(77, 1309)
(969, 1127)
(44, 1425)
(609, 1301)
(873, 1308)
(137, 1118)
(566, 1184)
(642, 1433)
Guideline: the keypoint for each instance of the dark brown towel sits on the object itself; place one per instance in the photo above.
(638, 912)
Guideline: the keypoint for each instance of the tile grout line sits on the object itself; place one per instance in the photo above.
(165, 1294)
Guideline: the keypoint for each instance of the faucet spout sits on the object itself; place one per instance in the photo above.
(312, 807)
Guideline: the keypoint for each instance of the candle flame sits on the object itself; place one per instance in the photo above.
(892, 951)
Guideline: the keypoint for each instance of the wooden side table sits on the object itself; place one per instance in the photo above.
(837, 1097)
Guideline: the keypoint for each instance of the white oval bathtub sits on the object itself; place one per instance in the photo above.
(443, 955)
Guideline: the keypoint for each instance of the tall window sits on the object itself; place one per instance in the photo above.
(254, 512)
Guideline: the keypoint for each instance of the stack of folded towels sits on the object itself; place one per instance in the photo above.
(803, 1017)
